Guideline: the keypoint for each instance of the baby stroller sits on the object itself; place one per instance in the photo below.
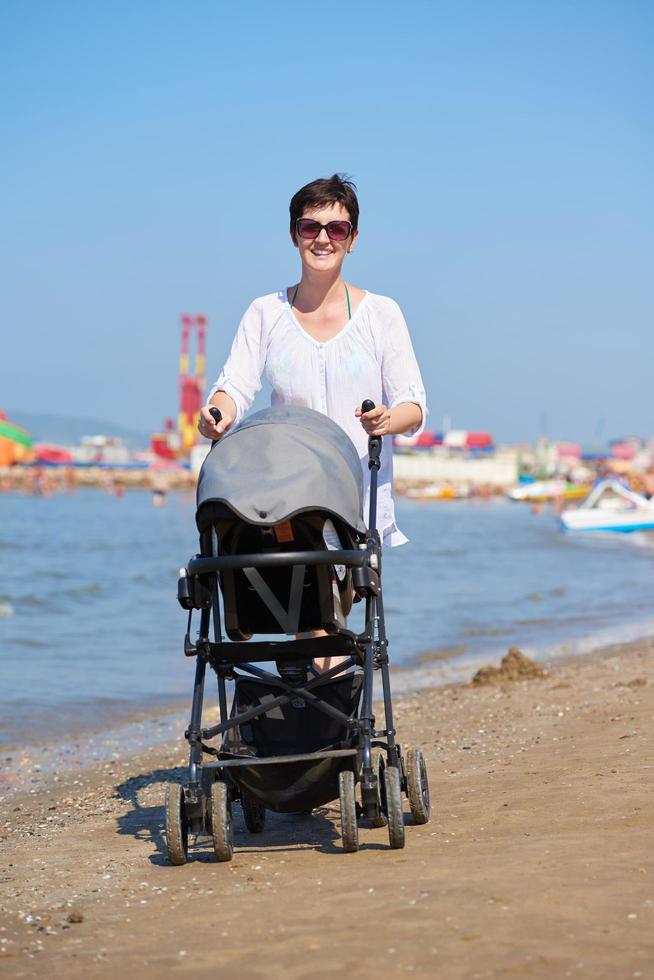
(284, 550)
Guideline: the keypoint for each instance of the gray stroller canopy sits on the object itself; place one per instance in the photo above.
(280, 462)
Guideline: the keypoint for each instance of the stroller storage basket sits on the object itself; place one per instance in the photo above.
(293, 731)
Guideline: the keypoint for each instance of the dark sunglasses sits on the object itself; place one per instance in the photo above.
(337, 231)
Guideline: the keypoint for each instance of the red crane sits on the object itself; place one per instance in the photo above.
(170, 443)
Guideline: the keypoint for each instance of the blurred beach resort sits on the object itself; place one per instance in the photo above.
(451, 464)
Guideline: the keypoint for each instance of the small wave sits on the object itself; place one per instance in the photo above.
(34, 600)
(600, 639)
(487, 631)
(31, 604)
(12, 545)
(83, 590)
(6, 610)
(448, 653)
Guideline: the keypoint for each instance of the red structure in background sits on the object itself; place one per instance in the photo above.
(166, 444)
(171, 443)
(44, 453)
(191, 386)
(454, 439)
(479, 440)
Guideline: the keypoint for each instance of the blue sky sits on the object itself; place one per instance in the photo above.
(503, 153)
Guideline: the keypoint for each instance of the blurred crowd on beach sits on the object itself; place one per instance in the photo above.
(39, 481)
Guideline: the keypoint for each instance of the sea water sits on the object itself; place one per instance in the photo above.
(91, 632)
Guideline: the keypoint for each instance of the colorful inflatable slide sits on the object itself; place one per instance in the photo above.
(15, 443)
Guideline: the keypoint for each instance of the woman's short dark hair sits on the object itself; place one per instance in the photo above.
(337, 189)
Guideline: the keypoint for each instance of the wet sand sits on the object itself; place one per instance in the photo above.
(537, 861)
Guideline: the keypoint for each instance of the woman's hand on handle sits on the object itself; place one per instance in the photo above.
(376, 422)
(214, 422)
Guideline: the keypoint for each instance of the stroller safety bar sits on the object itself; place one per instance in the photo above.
(276, 759)
(237, 652)
(200, 566)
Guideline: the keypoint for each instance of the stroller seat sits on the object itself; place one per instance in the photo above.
(286, 599)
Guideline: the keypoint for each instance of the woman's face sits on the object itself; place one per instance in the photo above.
(322, 254)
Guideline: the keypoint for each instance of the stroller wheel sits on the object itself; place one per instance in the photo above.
(222, 829)
(176, 825)
(379, 767)
(347, 799)
(417, 785)
(394, 812)
(254, 813)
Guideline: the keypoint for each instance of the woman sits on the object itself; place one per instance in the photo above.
(328, 345)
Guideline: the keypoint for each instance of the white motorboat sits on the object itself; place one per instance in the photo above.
(610, 506)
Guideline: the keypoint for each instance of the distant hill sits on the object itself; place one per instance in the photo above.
(68, 431)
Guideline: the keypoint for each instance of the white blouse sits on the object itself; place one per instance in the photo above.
(371, 357)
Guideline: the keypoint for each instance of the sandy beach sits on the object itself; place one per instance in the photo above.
(537, 861)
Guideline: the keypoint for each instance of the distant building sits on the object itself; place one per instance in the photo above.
(110, 450)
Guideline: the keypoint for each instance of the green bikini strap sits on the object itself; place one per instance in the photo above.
(347, 294)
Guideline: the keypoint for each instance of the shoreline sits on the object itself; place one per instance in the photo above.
(439, 668)
(40, 762)
(536, 863)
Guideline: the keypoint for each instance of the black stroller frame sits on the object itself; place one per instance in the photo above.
(373, 759)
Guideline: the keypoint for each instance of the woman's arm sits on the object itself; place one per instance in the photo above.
(240, 379)
(401, 381)
(405, 417)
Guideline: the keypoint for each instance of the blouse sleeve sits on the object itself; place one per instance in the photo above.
(401, 378)
(240, 378)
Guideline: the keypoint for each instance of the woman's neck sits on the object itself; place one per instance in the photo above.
(318, 289)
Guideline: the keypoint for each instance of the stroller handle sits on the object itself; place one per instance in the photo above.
(374, 442)
(374, 452)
